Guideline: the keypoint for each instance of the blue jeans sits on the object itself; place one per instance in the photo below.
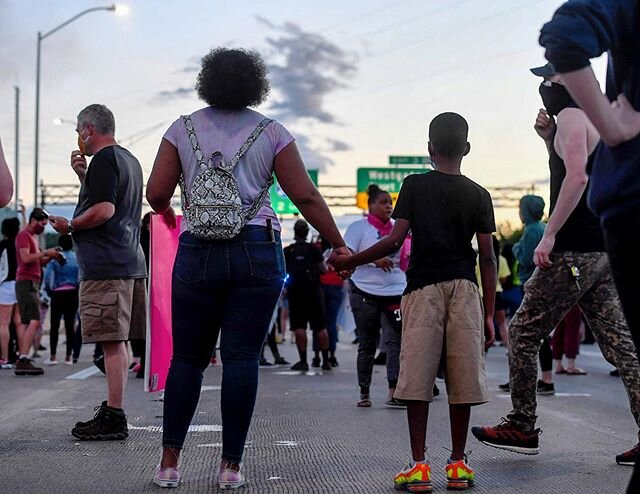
(230, 286)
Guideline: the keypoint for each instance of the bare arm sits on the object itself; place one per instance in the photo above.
(164, 177)
(575, 140)
(164, 180)
(618, 122)
(379, 250)
(295, 182)
(96, 215)
(42, 256)
(488, 277)
(6, 182)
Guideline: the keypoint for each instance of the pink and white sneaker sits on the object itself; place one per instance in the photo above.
(167, 477)
(229, 478)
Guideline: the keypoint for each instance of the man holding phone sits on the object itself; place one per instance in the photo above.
(28, 276)
(112, 269)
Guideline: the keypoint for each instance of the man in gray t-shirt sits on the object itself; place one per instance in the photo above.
(106, 233)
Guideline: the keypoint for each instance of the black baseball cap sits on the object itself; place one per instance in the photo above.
(545, 71)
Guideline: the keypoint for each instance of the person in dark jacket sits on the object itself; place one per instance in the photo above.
(585, 29)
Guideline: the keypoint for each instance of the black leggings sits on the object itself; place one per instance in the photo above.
(64, 303)
(545, 355)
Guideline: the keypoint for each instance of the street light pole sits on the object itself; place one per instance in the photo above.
(110, 8)
(17, 150)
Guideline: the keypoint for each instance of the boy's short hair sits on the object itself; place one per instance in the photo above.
(448, 133)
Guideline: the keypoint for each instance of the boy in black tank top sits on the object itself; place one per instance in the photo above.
(572, 268)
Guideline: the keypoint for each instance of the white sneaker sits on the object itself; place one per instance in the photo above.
(50, 362)
(68, 361)
(5, 365)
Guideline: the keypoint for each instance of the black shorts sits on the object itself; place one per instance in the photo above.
(499, 302)
(306, 307)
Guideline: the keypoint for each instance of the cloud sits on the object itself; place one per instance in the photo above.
(305, 68)
(313, 157)
(336, 145)
(180, 92)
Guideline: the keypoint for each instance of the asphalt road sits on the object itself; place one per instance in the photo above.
(307, 435)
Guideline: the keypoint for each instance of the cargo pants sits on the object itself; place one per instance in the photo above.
(548, 296)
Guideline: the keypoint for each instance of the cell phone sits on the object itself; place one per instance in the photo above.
(46, 212)
(58, 248)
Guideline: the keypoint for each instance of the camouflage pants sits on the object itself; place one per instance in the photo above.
(549, 295)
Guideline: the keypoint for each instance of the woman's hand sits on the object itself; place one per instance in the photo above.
(385, 264)
(169, 217)
(340, 261)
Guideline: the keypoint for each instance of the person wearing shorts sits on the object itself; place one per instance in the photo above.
(28, 276)
(112, 269)
(8, 301)
(304, 263)
(442, 313)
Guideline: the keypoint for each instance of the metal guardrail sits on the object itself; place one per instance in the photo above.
(337, 196)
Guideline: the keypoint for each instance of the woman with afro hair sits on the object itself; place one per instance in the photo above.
(227, 286)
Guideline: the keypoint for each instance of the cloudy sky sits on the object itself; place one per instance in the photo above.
(354, 81)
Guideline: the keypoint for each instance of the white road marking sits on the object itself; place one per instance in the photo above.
(559, 395)
(83, 374)
(192, 428)
(289, 444)
(59, 409)
(210, 388)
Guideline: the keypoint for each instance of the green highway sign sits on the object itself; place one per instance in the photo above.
(409, 160)
(388, 179)
(280, 202)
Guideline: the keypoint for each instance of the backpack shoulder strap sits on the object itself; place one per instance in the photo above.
(193, 138)
(248, 143)
(257, 204)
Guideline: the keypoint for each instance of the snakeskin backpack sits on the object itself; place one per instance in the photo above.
(213, 208)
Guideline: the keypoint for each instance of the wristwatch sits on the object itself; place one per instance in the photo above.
(70, 228)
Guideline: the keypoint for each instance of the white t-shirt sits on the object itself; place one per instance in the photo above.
(360, 236)
(226, 131)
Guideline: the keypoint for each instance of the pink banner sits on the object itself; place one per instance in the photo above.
(164, 245)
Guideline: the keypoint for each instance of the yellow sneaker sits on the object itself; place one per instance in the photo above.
(459, 476)
(416, 478)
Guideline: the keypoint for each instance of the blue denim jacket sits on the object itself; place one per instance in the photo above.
(57, 275)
